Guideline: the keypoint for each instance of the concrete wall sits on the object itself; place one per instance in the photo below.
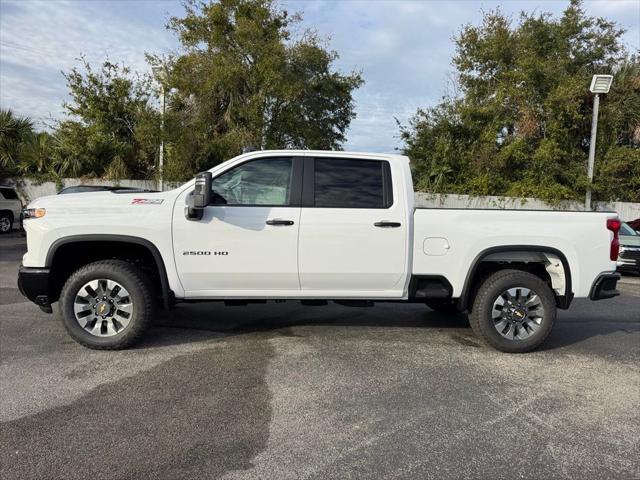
(626, 210)
(29, 190)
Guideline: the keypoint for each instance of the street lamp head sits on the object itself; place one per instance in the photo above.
(601, 83)
(159, 72)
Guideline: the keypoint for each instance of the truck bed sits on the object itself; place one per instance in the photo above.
(447, 241)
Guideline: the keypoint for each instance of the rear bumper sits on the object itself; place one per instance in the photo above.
(33, 283)
(605, 286)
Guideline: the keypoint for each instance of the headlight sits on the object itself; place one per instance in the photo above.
(33, 213)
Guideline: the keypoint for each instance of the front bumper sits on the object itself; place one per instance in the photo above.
(33, 283)
(629, 259)
(605, 286)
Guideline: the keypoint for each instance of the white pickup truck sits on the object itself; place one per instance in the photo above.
(312, 226)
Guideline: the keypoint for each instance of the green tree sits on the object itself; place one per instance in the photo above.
(521, 123)
(111, 128)
(244, 79)
(36, 155)
(15, 131)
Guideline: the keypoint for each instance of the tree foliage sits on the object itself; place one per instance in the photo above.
(22, 149)
(245, 80)
(520, 125)
(15, 131)
(247, 75)
(241, 79)
(111, 129)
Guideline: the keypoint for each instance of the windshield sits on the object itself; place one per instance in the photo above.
(83, 189)
(627, 230)
(9, 194)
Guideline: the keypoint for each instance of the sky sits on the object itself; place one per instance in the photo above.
(403, 48)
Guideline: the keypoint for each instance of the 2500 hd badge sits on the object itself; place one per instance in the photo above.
(203, 252)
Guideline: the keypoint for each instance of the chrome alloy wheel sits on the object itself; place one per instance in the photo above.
(103, 307)
(517, 313)
(5, 224)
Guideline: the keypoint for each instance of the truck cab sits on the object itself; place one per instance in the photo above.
(312, 226)
(280, 226)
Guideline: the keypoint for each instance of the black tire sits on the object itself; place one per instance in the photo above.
(6, 222)
(444, 306)
(140, 293)
(481, 318)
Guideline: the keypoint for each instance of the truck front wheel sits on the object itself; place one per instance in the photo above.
(107, 305)
(513, 311)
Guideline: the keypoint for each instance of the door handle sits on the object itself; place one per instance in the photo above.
(386, 224)
(277, 221)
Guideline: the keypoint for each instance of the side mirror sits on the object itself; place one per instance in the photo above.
(200, 197)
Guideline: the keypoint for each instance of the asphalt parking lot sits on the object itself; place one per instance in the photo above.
(288, 392)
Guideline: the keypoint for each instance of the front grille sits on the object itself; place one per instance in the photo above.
(630, 254)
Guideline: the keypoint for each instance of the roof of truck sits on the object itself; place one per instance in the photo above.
(332, 153)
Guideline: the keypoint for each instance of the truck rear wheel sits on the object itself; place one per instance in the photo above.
(107, 305)
(513, 311)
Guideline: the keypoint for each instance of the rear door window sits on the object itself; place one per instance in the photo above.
(352, 183)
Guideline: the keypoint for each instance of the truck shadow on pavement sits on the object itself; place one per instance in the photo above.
(217, 321)
(202, 322)
(195, 416)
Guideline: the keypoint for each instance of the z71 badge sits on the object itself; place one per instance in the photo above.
(147, 201)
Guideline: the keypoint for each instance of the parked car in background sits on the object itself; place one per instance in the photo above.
(10, 209)
(93, 188)
(629, 257)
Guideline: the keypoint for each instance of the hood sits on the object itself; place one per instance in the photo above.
(104, 212)
(630, 240)
(92, 200)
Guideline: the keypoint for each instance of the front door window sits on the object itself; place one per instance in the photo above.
(265, 182)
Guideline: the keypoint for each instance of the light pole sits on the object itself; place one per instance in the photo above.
(599, 84)
(160, 75)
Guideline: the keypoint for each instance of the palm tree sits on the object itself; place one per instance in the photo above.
(14, 132)
(36, 153)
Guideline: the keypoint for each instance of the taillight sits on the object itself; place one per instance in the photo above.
(613, 224)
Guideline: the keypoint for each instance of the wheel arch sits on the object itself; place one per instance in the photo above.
(563, 301)
(9, 212)
(87, 239)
